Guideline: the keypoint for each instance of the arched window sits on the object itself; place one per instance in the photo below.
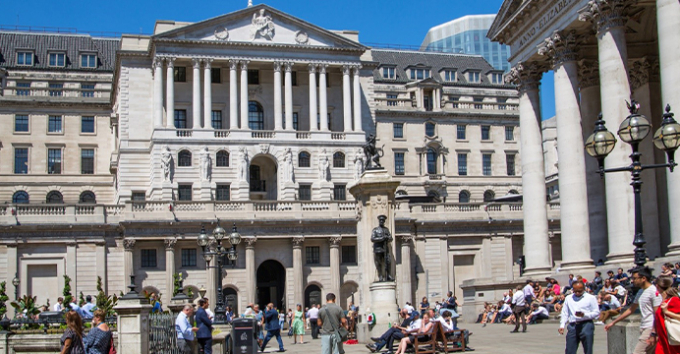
(20, 197)
(433, 195)
(512, 191)
(255, 116)
(222, 159)
(54, 197)
(431, 161)
(464, 197)
(339, 160)
(87, 197)
(304, 159)
(184, 158)
(429, 129)
(489, 195)
(402, 193)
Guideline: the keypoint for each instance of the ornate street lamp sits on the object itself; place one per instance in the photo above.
(633, 130)
(215, 249)
(16, 283)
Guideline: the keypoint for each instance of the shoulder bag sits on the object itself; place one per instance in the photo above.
(342, 333)
(673, 330)
(112, 348)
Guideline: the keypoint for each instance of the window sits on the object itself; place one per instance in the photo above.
(25, 58)
(254, 77)
(510, 164)
(56, 89)
(304, 159)
(419, 74)
(21, 161)
(392, 100)
(138, 196)
(399, 163)
(464, 197)
(87, 90)
(184, 158)
(87, 124)
(339, 160)
(222, 192)
(431, 161)
(312, 255)
(502, 100)
(449, 75)
(222, 159)
(256, 184)
(473, 76)
(54, 124)
(88, 61)
(54, 161)
(255, 116)
(349, 255)
(486, 132)
(497, 78)
(20, 197)
(293, 78)
(87, 197)
(305, 192)
(489, 196)
(54, 197)
(509, 133)
(429, 129)
(296, 120)
(188, 257)
(87, 161)
(22, 89)
(184, 192)
(216, 119)
(486, 164)
(478, 102)
(388, 73)
(462, 164)
(21, 123)
(460, 132)
(215, 75)
(454, 101)
(180, 74)
(58, 59)
(181, 118)
(398, 129)
(339, 192)
(149, 258)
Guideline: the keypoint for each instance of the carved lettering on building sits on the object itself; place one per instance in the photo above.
(545, 20)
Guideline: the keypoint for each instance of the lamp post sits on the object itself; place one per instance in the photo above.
(215, 249)
(633, 130)
(16, 283)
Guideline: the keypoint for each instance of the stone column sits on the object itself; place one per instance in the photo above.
(561, 48)
(404, 280)
(357, 98)
(196, 97)
(536, 244)
(207, 95)
(346, 99)
(169, 266)
(610, 20)
(668, 22)
(100, 253)
(233, 95)
(288, 93)
(128, 265)
(278, 115)
(170, 94)
(251, 271)
(323, 102)
(335, 265)
(312, 98)
(244, 94)
(72, 264)
(298, 275)
(158, 92)
(12, 269)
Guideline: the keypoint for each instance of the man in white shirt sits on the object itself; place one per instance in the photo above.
(519, 304)
(620, 292)
(58, 306)
(185, 332)
(313, 315)
(578, 313)
(538, 313)
(409, 307)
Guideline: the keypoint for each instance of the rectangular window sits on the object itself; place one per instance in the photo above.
(486, 164)
(87, 90)
(215, 75)
(138, 196)
(312, 255)
(184, 192)
(188, 257)
(509, 133)
(180, 74)
(21, 123)
(58, 59)
(23, 89)
(486, 132)
(54, 124)
(478, 102)
(349, 255)
(87, 124)
(254, 77)
(293, 78)
(88, 61)
(497, 78)
(54, 161)
(56, 89)
(181, 118)
(216, 119)
(296, 120)
(388, 73)
(87, 161)
(21, 161)
(419, 74)
(339, 192)
(473, 76)
(398, 130)
(305, 192)
(222, 192)
(392, 100)
(510, 163)
(462, 164)
(149, 258)
(449, 75)
(461, 132)
(25, 58)
(399, 163)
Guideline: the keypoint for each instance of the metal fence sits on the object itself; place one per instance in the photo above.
(162, 336)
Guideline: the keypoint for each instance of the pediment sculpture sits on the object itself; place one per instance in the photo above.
(262, 26)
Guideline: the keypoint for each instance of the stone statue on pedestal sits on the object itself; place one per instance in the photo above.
(166, 161)
(243, 167)
(288, 170)
(381, 238)
(206, 165)
(373, 153)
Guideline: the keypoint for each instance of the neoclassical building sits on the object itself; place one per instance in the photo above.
(116, 152)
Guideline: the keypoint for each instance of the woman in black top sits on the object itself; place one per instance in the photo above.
(72, 340)
(424, 306)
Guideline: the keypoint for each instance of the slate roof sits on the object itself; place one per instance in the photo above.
(436, 62)
(73, 45)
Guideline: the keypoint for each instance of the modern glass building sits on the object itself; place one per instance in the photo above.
(467, 35)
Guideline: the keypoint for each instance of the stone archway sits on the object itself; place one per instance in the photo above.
(348, 292)
(313, 295)
(271, 284)
(231, 299)
(263, 178)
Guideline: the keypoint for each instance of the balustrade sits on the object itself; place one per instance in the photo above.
(338, 136)
(263, 134)
(221, 133)
(303, 135)
(184, 133)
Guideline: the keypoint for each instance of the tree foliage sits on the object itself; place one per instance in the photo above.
(68, 297)
(3, 298)
(105, 302)
(26, 305)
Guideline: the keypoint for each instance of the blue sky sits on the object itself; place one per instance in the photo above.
(378, 21)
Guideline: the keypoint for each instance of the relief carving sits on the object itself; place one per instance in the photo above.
(262, 26)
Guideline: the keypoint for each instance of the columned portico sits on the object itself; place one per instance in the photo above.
(405, 278)
(346, 99)
(278, 115)
(288, 93)
(298, 284)
(170, 94)
(244, 94)
(169, 264)
(128, 258)
(207, 95)
(357, 98)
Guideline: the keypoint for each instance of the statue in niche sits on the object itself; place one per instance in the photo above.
(263, 26)
(166, 162)
(323, 166)
(206, 164)
(358, 164)
(373, 153)
(288, 170)
(243, 168)
(381, 238)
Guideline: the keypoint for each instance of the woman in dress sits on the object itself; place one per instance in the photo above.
(100, 338)
(424, 306)
(670, 307)
(423, 333)
(72, 340)
(298, 324)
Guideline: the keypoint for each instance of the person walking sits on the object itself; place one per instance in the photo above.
(72, 339)
(185, 332)
(273, 327)
(298, 324)
(204, 333)
(518, 306)
(578, 312)
(313, 315)
(100, 339)
(670, 308)
(331, 316)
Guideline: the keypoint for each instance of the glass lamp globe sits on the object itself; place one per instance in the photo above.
(667, 138)
(601, 142)
(234, 237)
(219, 233)
(635, 127)
(232, 255)
(203, 238)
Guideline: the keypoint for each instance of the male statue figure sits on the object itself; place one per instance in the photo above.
(381, 238)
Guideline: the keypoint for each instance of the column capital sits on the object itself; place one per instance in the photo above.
(297, 241)
(606, 14)
(356, 68)
(170, 61)
(207, 63)
(288, 66)
(560, 47)
(323, 68)
(526, 75)
(129, 244)
(244, 64)
(335, 241)
(158, 62)
(588, 73)
(250, 241)
(233, 64)
(170, 244)
(277, 66)
(346, 69)
(643, 71)
(312, 68)
(196, 62)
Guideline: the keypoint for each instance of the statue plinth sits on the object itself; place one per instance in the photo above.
(206, 191)
(166, 193)
(240, 190)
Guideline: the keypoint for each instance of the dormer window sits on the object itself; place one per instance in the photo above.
(88, 61)
(420, 74)
(496, 78)
(449, 75)
(388, 73)
(58, 60)
(473, 76)
(24, 58)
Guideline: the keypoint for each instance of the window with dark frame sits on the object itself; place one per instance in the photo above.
(54, 161)
(305, 192)
(54, 124)
(222, 192)
(304, 159)
(338, 160)
(429, 129)
(184, 158)
(21, 123)
(399, 163)
(464, 197)
(149, 258)
(222, 159)
(87, 90)
(339, 192)
(216, 119)
(24, 58)
(216, 75)
(88, 61)
(184, 192)
(462, 164)
(188, 257)
(21, 161)
(509, 133)
(180, 73)
(486, 132)
(54, 197)
(23, 89)
(181, 118)
(255, 116)
(56, 89)
(57, 59)
(432, 157)
(398, 129)
(20, 197)
(510, 163)
(461, 133)
(312, 255)
(253, 77)
(87, 161)
(138, 196)
(486, 164)
(87, 197)
(349, 255)
(87, 124)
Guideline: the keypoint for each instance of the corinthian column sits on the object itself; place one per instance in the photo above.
(312, 98)
(610, 17)
(288, 92)
(406, 289)
(128, 258)
(244, 96)
(357, 98)
(233, 95)
(251, 274)
(346, 99)
(560, 47)
(323, 102)
(158, 92)
(207, 95)
(298, 275)
(527, 77)
(170, 94)
(278, 115)
(196, 97)
(335, 264)
(170, 265)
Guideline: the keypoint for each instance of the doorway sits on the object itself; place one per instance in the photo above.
(271, 284)
(231, 299)
(312, 295)
(263, 178)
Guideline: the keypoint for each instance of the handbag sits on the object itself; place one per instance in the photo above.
(673, 330)
(290, 331)
(112, 348)
(342, 333)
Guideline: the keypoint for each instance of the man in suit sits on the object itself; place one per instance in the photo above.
(271, 325)
(204, 334)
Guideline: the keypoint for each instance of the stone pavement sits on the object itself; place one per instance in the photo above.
(494, 338)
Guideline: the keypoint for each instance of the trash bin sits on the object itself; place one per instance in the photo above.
(243, 338)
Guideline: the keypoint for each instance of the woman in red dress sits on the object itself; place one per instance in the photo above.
(670, 306)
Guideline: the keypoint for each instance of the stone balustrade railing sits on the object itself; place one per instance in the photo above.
(447, 105)
(256, 136)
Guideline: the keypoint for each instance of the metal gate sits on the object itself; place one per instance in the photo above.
(162, 336)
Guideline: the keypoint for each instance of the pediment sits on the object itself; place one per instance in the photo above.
(263, 25)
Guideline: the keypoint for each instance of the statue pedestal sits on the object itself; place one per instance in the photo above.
(206, 191)
(322, 190)
(240, 190)
(288, 192)
(166, 193)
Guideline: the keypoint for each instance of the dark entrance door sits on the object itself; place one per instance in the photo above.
(271, 284)
(231, 299)
(312, 295)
